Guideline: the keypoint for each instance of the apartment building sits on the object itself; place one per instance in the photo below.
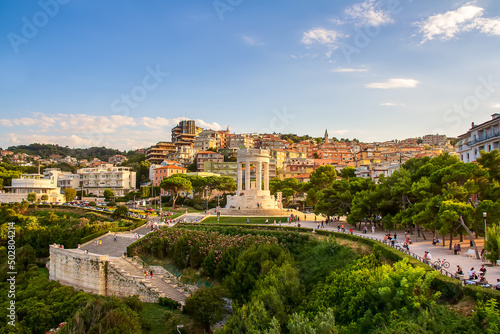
(203, 156)
(33, 183)
(481, 137)
(156, 154)
(95, 180)
(162, 172)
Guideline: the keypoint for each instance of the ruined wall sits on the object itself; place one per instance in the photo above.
(85, 272)
(95, 274)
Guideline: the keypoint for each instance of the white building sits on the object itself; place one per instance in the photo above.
(241, 140)
(375, 171)
(68, 180)
(482, 137)
(33, 183)
(95, 180)
(185, 155)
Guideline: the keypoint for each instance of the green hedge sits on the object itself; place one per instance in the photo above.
(138, 223)
(248, 226)
(451, 289)
(93, 236)
(170, 303)
(480, 293)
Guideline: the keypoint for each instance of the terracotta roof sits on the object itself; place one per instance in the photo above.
(207, 152)
(170, 167)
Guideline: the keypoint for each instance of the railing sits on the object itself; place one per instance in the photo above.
(418, 257)
(484, 137)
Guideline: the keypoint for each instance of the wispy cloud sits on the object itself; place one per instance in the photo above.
(350, 70)
(368, 13)
(82, 130)
(252, 41)
(322, 36)
(448, 25)
(394, 83)
(392, 104)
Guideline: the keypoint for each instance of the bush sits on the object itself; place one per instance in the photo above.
(92, 203)
(198, 207)
(112, 203)
(170, 303)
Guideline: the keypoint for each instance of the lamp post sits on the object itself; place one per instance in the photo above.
(485, 235)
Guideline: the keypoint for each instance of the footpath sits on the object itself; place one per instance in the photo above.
(115, 246)
(420, 246)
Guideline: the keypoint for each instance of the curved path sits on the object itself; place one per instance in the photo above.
(420, 246)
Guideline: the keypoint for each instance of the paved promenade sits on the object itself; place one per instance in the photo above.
(118, 247)
(420, 246)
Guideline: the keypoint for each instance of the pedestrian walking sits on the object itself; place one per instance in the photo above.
(373, 229)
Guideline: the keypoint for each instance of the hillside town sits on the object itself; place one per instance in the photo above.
(205, 152)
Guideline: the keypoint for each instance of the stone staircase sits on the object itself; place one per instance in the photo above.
(162, 285)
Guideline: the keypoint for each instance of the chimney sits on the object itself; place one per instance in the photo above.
(472, 125)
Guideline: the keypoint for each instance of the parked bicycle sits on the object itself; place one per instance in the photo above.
(441, 264)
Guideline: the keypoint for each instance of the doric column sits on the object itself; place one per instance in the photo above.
(259, 175)
(247, 175)
(240, 177)
(266, 176)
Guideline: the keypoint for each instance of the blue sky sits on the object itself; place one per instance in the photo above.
(121, 73)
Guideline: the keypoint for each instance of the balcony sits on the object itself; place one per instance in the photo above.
(484, 137)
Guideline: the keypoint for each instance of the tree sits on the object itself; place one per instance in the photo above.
(120, 211)
(206, 306)
(492, 245)
(44, 197)
(192, 167)
(108, 194)
(323, 177)
(348, 172)
(175, 184)
(31, 197)
(69, 194)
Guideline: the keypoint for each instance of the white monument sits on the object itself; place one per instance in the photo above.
(253, 188)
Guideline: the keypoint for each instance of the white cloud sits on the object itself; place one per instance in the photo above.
(203, 124)
(392, 104)
(6, 122)
(155, 123)
(448, 25)
(496, 106)
(350, 70)
(489, 26)
(368, 13)
(322, 36)
(82, 130)
(394, 83)
(252, 41)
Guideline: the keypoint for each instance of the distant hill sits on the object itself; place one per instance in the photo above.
(45, 150)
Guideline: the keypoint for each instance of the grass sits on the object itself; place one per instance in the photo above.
(153, 314)
(243, 220)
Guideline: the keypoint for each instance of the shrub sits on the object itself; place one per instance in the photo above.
(92, 203)
(170, 303)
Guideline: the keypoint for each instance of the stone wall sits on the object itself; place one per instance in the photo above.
(85, 272)
(95, 274)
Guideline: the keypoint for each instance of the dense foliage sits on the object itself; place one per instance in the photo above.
(45, 150)
(41, 227)
(42, 304)
(431, 193)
